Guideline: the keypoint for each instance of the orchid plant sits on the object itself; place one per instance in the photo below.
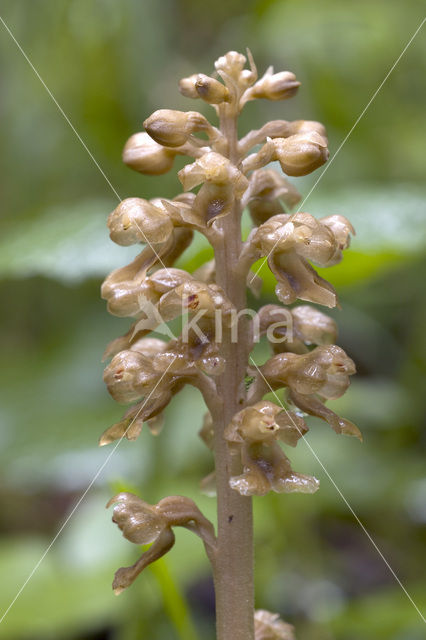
(213, 353)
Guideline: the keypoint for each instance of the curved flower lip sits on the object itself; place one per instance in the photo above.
(212, 202)
(296, 279)
(273, 472)
(313, 406)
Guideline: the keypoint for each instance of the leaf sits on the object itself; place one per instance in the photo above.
(69, 245)
(385, 219)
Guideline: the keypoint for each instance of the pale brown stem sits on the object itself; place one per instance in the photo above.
(234, 559)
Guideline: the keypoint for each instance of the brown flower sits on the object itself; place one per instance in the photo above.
(253, 434)
(289, 242)
(143, 523)
(323, 372)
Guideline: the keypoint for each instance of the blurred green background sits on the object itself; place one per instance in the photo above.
(110, 64)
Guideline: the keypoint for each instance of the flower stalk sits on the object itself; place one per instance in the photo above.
(243, 430)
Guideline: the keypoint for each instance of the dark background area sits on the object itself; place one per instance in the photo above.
(110, 64)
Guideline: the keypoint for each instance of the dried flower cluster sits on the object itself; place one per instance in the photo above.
(242, 428)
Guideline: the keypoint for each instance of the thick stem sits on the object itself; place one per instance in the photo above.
(234, 560)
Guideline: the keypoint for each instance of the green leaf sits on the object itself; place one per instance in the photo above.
(385, 219)
(70, 244)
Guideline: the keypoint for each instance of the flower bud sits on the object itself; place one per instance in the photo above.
(173, 128)
(143, 154)
(268, 626)
(275, 86)
(124, 299)
(164, 280)
(129, 376)
(212, 167)
(173, 362)
(137, 220)
(125, 285)
(302, 153)
(232, 63)
(187, 86)
(197, 297)
(211, 90)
